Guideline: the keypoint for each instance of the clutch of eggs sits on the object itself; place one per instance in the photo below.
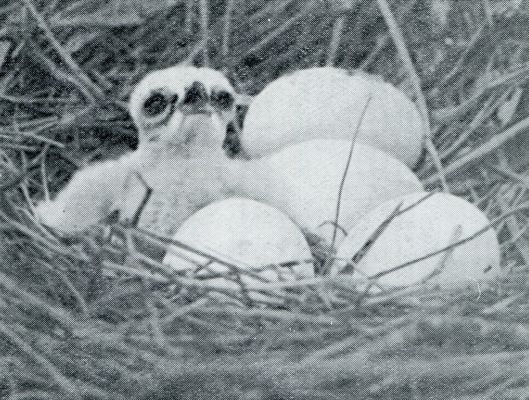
(327, 103)
(427, 223)
(303, 180)
(244, 233)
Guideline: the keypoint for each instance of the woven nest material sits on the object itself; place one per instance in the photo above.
(99, 317)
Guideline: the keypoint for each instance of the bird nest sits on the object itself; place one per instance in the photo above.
(98, 316)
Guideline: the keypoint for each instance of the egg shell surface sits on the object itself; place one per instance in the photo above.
(303, 180)
(246, 233)
(327, 103)
(432, 224)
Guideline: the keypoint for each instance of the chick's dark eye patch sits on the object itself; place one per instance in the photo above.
(222, 99)
(155, 104)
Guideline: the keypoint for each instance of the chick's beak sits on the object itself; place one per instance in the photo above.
(195, 109)
(196, 100)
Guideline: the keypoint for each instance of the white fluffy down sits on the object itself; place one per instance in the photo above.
(89, 196)
(327, 103)
(429, 226)
(303, 180)
(180, 159)
(246, 233)
(180, 187)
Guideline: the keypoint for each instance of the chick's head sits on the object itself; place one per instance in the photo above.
(182, 107)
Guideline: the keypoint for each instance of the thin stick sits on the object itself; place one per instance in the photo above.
(342, 182)
(357, 257)
(455, 244)
(279, 30)
(60, 316)
(156, 327)
(352, 265)
(398, 39)
(62, 381)
(148, 192)
(230, 6)
(44, 175)
(495, 142)
(456, 235)
(204, 26)
(188, 24)
(65, 55)
(460, 62)
(337, 30)
(490, 107)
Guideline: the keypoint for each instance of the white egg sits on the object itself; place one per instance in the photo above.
(303, 180)
(431, 225)
(246, 233)
(327, 103)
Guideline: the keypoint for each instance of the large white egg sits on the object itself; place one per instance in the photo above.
(327, 103)
(303, 180)
(433, 224)
(246, 233)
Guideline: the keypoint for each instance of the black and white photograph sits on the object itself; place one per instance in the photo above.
(264, 199)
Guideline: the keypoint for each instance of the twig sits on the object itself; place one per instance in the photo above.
(28, 169)
(197, 49)
(357, 257)
(279, 30)
(489, 108)
(148, 192)
(230, 6)
(188, 24)
(337, 30)
(204, 26)
(12, 224)
(282, 315)
(455, 244)
(234, 266)
(456, 235)
(328, 261)
(59, 315)
(495, 142)
(156, 327)
(156, 277)
(62, 381)
(44, 175)
(347, 165)
(460, 62)
(349, 342)
(514, 230)
(181, 311)
(379, 46)
(83, 307)
(400, 43)
(82, 78)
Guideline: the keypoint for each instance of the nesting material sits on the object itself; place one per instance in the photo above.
(430, 225)
(327, 103)
(303, 180)
(247, 234)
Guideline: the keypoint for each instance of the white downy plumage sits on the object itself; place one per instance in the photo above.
(181, 114)
(245, 233)
(303, 180)
(432, 224)
(327, 103)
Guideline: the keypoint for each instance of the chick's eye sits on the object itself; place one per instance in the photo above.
(222, 99)
(155, 104)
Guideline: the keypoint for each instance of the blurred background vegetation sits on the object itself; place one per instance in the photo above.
(70, 329)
